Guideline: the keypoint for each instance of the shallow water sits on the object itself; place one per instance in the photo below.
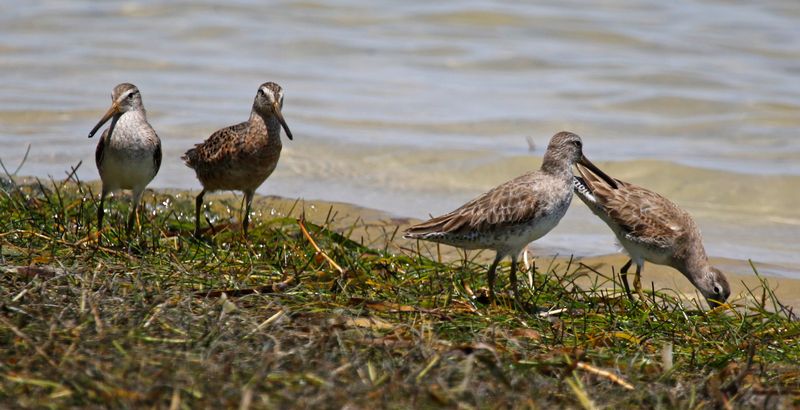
(414, 108)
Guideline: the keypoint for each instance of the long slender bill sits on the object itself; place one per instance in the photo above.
(588, 164)
(277, 109)
(110, 113)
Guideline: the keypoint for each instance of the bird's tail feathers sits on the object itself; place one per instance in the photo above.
(433, 227)
(188, 157)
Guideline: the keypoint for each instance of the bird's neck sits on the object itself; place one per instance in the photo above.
(266, 122)
(692, 260)
(557, 167)
(132, 116)
(126, 122)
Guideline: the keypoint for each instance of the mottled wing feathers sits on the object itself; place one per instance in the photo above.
(642, 215)
(157, 155)
(218, 147)
(101, 146)
(511, 203)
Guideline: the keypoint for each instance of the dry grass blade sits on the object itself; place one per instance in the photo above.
(581, 394)
(316, 247)
(428, 368)
(272, 319)
(604, 373)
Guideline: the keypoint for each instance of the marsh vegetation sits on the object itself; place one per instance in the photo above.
(318, 310)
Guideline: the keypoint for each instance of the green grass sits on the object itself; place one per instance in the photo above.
(160, 319)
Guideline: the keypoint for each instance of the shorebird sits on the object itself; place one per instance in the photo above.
(242, 156)
(128, 154)
(515, 213)
(652, 228)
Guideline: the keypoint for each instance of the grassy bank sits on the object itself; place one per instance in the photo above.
(330, 311)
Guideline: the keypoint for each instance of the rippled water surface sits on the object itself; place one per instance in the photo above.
(416, 107)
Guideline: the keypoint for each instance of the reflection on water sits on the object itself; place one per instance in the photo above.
(414, 108)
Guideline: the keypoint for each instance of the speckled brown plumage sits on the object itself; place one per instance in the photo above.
(128, 155)
(652, 228)
(478, 223)
(241, 157)
(511, 215)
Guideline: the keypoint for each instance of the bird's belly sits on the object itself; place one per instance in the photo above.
(127, 169)
(241, 175)
(640, 252)
(530, 232)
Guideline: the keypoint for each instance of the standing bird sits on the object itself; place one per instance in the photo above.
(652, 228)
(242, 156)
(128, 154)
(511, 215)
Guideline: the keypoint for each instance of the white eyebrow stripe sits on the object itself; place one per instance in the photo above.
(270, 94)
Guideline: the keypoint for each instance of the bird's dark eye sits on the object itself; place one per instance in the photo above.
(130, 96)
(717, 290)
